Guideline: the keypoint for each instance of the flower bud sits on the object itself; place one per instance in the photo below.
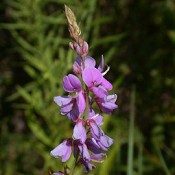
(80, 50)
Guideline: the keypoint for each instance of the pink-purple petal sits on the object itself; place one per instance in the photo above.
(91, 113)
(102, 146)
(88, 166)
(99, 91)
(67, 85)
(95, 130)
(98, 157)
(74, 113)
(106, 84)
(84, 152)
(106, 141)
(98, 119)
(71, 83)
(108, 107)
(101, 66)
(63, 150)
(62, 100)
(92, 146)
(77, 66)
(92, 77)
(89, 62)
(79, 132)
(81, 102)
(66, 108)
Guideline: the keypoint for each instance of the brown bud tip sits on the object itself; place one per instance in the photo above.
(73, 26)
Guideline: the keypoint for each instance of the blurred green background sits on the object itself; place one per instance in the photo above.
(137, 39)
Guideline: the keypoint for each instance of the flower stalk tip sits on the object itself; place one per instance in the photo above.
(74, 29)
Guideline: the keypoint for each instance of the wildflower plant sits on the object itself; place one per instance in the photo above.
(85, 87)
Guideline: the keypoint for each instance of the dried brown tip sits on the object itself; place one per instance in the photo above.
(74, 29)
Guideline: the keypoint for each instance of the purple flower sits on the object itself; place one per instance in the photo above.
(83, 144)
(107, 103)
(73, 105)
(84, 153)
(100, 91)
(79, 137)
(92, 77)
(102, 140)
(71, 83)
(92, 146)
(89, 62)
(78, 65)
(98, 157)
(79, 132)
(95, 117)
(88, 165)
(63, 150)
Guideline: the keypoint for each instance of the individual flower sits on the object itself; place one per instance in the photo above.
(100, 91)
(92, 77)
(82, 146)
(96, 83)
(98, 136)
(96, 155)
(74, 104)
(107, 103)
(88, 165)
(79, 137)
(95, 117)
(79, 66)
(79, 132)
(63, 150)
(93, 147)
(99, 158)
(71, 83)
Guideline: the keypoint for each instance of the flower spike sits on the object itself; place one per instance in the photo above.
(85, 86)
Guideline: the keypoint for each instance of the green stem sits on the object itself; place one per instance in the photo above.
(164, 165)
(131, 134)
(140, 160)
(73, 169)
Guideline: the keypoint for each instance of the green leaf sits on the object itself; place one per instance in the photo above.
(38, 131)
